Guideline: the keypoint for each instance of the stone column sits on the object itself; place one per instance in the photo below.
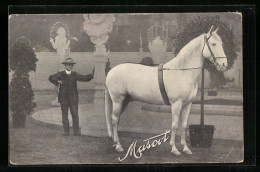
(98, 27)
(100, 57)
(96, 125)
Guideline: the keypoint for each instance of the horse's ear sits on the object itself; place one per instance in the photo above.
(210, 31)
(216, 30)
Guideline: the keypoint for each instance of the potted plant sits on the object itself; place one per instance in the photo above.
(22, 61)
(201, 135)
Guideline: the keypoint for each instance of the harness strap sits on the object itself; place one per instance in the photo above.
(207, 42)
(161, 85)
(182, 68)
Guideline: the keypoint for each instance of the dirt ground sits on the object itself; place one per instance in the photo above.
(36, 144)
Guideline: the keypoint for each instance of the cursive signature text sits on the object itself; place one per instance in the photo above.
(148, 144)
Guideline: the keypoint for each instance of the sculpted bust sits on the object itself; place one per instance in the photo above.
(98, 26)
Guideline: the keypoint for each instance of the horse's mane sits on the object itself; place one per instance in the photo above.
(185, 54)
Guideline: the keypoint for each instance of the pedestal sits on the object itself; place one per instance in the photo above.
(55, 102)
(97, 124)
(100, 62)
(160, 56)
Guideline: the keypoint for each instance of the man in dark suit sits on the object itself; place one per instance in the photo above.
(68, 94)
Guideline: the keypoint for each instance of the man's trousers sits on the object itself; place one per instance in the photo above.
(75, 117)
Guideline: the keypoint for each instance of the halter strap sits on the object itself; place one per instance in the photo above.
(207, 43)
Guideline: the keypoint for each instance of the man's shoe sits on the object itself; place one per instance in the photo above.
(77, 132)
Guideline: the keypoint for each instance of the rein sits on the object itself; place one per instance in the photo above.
(182, 68)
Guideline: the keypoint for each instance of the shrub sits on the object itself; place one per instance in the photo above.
(22, 56)
(22, 61)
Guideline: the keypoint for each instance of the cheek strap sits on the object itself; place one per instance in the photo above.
(213, 60)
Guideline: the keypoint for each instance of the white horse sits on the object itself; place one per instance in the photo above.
(127, 82)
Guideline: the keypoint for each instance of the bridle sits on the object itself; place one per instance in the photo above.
(213, 60)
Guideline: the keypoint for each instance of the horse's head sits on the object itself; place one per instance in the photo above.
(213, 50)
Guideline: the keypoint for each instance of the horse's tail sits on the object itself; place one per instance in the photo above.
(108, 108)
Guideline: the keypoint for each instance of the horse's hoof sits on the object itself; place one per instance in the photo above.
(119, 149)
(175, 152)
(187, 151)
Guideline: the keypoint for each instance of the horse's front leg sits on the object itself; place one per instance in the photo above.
(185, 113)
(115, 121)
(176, 108)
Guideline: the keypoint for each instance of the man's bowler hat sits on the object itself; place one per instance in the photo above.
(68, 61)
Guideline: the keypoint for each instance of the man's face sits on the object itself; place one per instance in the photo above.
(68, 67)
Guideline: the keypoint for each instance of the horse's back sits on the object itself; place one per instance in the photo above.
(138, 81)
(130, 72)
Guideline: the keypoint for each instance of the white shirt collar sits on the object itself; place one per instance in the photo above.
(68, 72)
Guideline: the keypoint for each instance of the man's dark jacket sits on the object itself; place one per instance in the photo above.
(68, 92)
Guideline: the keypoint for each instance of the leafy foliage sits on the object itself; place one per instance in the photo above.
(22, 56)
(200, 25)
(21, 94)
(22, 61)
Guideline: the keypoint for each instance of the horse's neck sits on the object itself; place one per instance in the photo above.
(190, 56)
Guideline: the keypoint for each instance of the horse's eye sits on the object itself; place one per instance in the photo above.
(213, 44)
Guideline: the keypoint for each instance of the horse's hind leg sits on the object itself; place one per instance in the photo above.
(176, 108)
(117, 108)
(185, 112)
(125, 103)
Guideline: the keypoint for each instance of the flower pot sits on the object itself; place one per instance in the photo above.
(212, 93)
(201, 135)
(18, 120)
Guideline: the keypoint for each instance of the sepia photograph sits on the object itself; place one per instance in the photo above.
(125, 88)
